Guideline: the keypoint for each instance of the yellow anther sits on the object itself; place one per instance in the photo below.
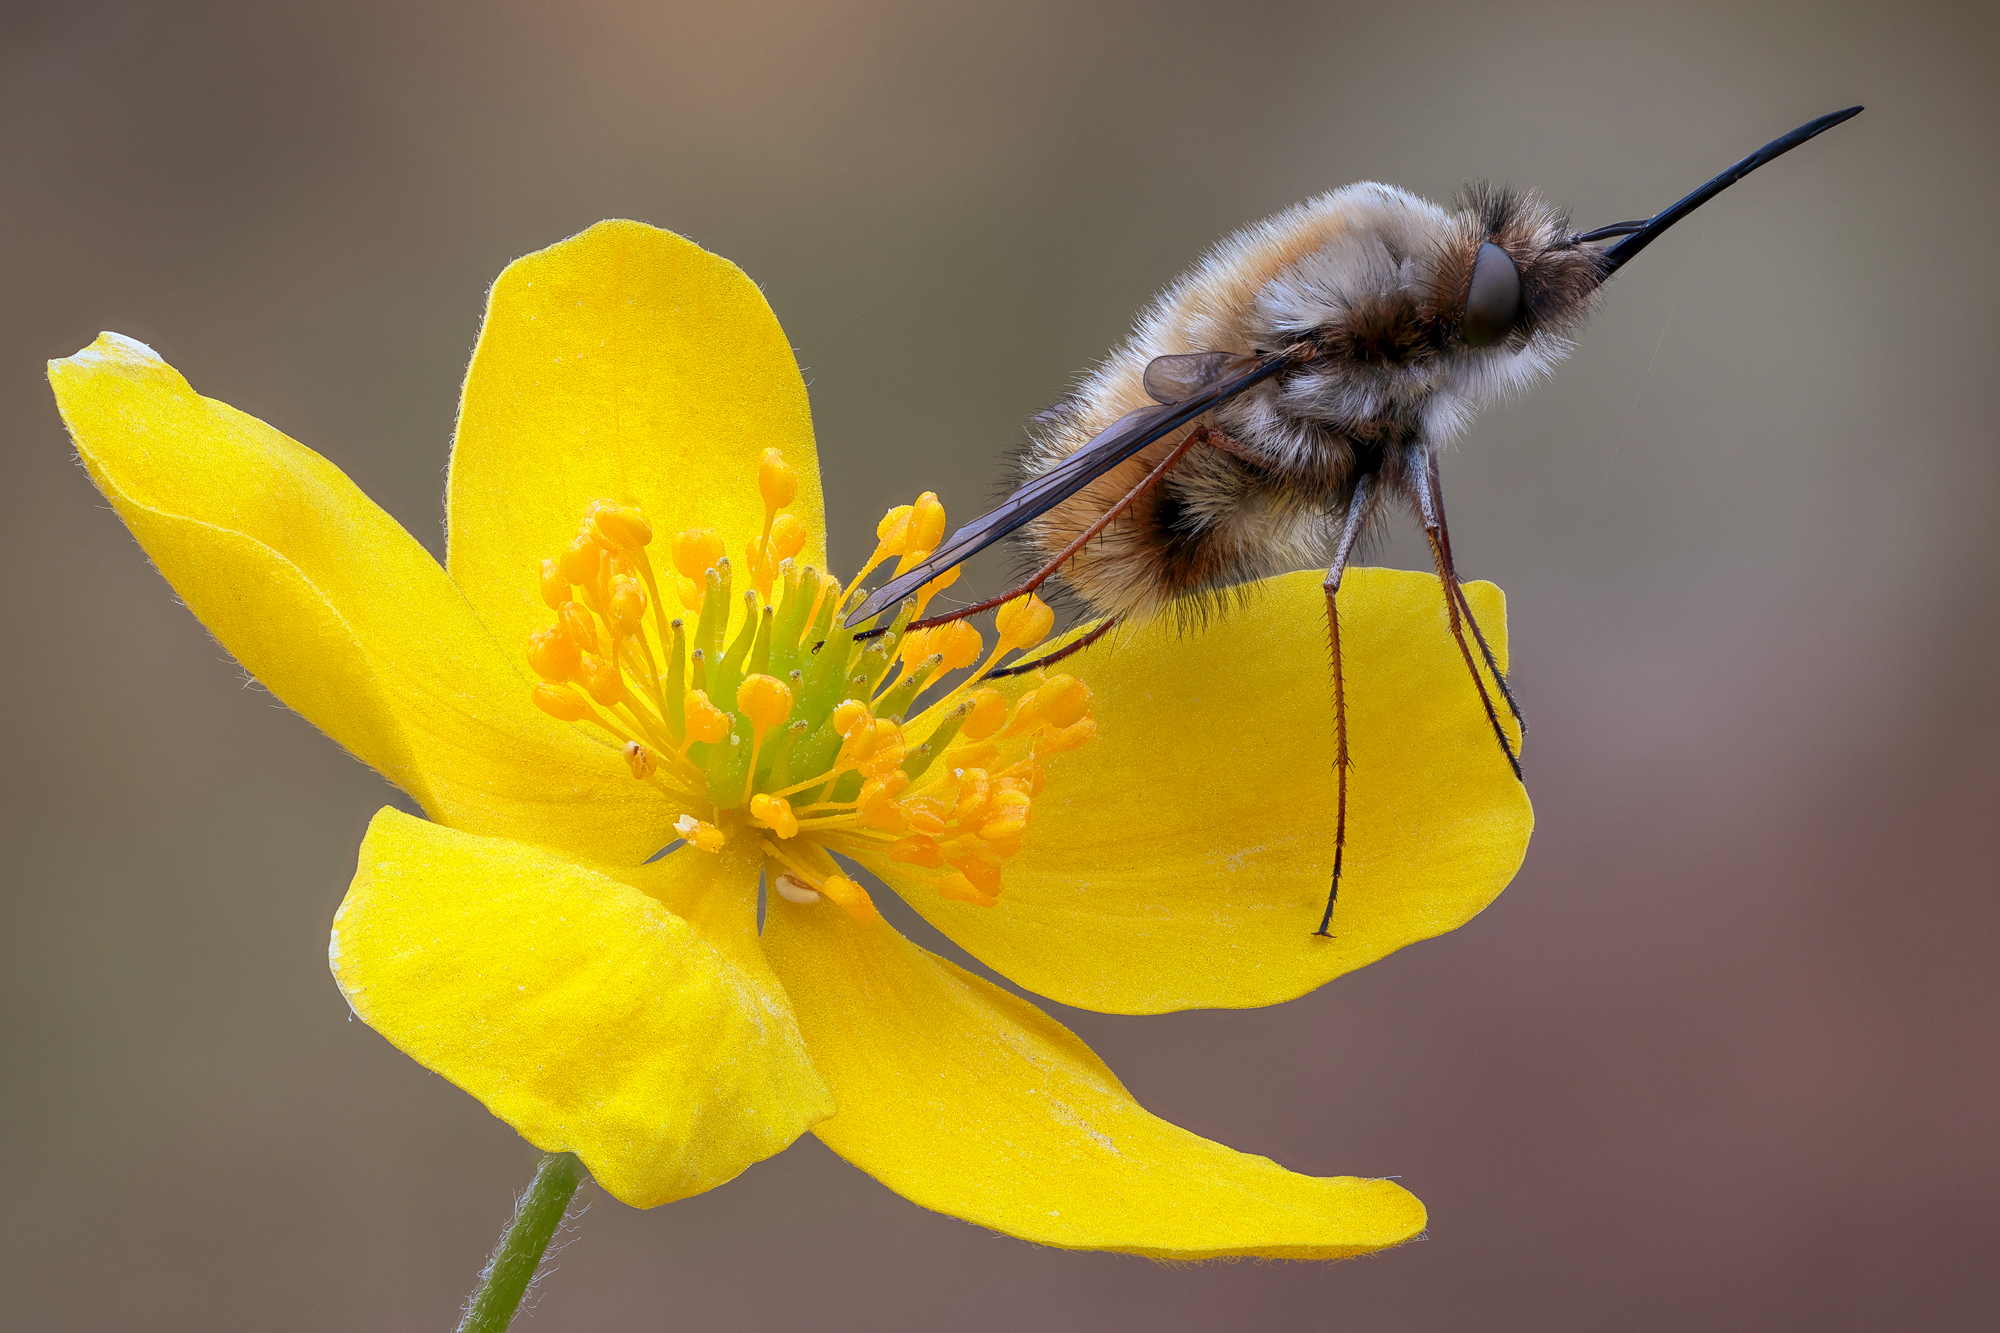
(1027, 715)
(765, 700)
(850, 717)
(1004, 847)
(705, 722)
(916, 645)
(892, 534)
(1061, 701)
(973, 790)
(580, 627)
(641, 760)
(555, 588)
(619, 526)
(926, 815)
(926, 527)
(695, 552)
(691, 593)
(776, 479)
(1027, 776)
(795, 890)
(601, 678)
(936, 586)
(1008, 817)
(917, 850)
(628, 605)
(958, 643)
(851, 896)
(975, 756)
(581, 560)
(775, 813)
(1024, 622)
(881, 790)
(1071, 736)
(700, 834)
(561, 704)
(885, 753)
(984, 873)
(988, 712)
(788, 536)
(553, 654)
(888, 817)
(959, 889)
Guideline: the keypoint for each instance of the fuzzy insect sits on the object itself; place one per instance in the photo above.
(1270, 399)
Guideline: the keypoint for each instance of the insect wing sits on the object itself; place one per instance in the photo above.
(1175, 379)
(1106, 450)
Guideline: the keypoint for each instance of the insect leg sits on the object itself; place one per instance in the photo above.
(1359, 506)
(1041, 576)
(1457, 589)
(1421, 486)
(1059, 654)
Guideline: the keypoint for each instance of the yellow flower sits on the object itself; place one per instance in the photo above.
(634, 479)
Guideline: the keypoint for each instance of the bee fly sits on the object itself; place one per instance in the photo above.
(1271, 398)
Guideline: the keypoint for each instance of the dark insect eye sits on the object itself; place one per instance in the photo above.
(1494, 302)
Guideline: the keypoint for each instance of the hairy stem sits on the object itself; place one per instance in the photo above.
(537, 1214)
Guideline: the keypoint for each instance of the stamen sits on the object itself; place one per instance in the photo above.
(641, 759)
(553, 654)
(767, 702)
(810, 700)
(775, 813)
(794, 890)
(700, 833)
(706, 724)
(555, 588)
(852, 898)
(563, 705)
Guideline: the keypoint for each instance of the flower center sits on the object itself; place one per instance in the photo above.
(769, 719)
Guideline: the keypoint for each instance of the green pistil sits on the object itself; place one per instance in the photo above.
(677, 686)
(780, 747)
(792, 610)
(728, 672)
(921, 758)
(726, 760)
(714, 609)
(910, 684)
(760, 651)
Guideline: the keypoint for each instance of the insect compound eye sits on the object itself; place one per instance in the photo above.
(1494, 303)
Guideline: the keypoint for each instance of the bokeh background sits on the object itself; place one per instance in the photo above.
(1723, 1056)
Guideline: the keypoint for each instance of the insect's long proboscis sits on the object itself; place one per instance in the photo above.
(1643, 234)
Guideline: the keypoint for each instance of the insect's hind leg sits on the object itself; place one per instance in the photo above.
(1423, 483)
(1457, 589)
(1359, 507)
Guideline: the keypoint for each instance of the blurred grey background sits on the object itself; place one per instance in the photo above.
(1723, 1056)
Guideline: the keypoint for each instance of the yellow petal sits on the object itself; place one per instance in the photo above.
(576, 1007)
(970, 1101)
(339, 612)
(1181, 859)
(623, 363)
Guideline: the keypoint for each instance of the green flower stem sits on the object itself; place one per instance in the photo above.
(507, 1274)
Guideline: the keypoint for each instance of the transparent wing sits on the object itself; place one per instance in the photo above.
(1106, 450)
(1175, 379)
